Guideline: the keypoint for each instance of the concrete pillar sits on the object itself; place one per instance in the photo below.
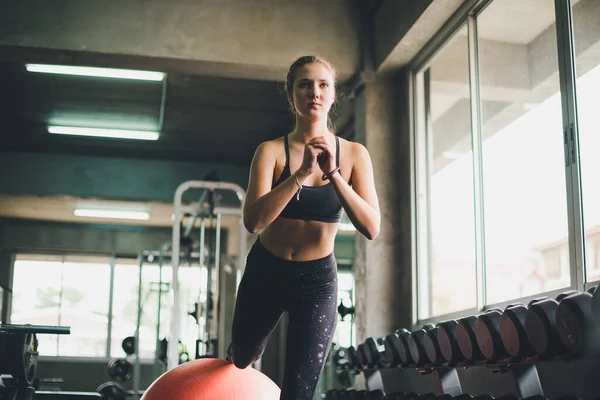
(383, 266)
(6, 276)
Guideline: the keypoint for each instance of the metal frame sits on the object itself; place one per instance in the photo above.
(467, 14)
(566, 69)
(179, 209)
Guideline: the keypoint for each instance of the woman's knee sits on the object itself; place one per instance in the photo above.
(240, 358)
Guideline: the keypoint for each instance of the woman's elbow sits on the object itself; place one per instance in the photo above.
(251, 226)
(372, 233)
(373, 229)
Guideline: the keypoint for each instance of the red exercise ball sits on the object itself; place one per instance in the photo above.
(212, 379)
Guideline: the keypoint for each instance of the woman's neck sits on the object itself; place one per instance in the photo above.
(306, 130)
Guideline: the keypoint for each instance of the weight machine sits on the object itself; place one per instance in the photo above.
(214, 329)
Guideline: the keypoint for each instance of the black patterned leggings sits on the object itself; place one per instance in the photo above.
(307, 290)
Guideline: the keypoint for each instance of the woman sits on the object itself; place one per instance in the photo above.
(291, 266)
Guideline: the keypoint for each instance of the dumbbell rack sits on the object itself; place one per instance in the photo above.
(549, 348)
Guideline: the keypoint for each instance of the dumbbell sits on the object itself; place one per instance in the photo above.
(449, 343)
(540, 326)
(487, 334)
(352, 357)
(575, 325)
(112, 391)
(120, 370)
(392, 345)
(375, 352)
(416, 346)
(512, 331)
(432, 346)
(361, 356)
(401, 346)
(467, 341)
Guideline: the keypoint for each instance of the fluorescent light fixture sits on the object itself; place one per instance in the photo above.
(105, 133)
(98, 72)
(114, 214)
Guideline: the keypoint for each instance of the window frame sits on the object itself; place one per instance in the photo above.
(467, 15)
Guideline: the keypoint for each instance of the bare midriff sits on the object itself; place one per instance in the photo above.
(298, 240)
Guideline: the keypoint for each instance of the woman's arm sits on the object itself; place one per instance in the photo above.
(360, 200)
(263, 205)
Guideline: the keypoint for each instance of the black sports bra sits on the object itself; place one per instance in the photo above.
(316, 203)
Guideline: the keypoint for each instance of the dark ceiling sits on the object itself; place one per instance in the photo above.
(204, 118)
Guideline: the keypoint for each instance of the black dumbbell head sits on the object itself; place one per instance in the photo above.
(403, 349)
(540, 327)
(372, 352)
(467, 341)
(417, 349)
(487, 333)
(432, 347)
(392, 344)
(574, 324)
(512, 331)
(448, 342)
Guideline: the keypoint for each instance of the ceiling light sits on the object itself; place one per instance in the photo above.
(105, 133)
(98, 72)
(114, 214)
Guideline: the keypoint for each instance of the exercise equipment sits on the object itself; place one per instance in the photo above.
(467, 341)
(120, 370)
(487, 334)
(212, 378)
(392, 345)
(448, 342)
(575, 325)
(512, 331)
(128, 345)
(540, 327)
(215, 320)
(432, 346)
(375, 352)
(19, 358)
(416, 346)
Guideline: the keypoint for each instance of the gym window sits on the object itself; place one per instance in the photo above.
(505, 144)
(98, 298)
(64, 290)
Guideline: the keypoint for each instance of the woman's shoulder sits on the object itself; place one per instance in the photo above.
(354, 149)
(270, 147)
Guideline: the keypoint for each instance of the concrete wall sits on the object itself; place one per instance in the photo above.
(104, 177)
(382, 266)
(217, 35)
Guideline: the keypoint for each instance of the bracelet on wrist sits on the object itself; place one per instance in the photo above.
(330, 174)
(299, 186)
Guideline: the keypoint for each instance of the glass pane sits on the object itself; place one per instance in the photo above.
(125, 306)
(84, 307)
(447, 282)
(344, 334)
(526, 229)
(36, 298)
(587, 42)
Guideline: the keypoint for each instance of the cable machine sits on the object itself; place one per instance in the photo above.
(213, 330)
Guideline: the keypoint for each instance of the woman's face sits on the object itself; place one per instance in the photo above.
(314, 91)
